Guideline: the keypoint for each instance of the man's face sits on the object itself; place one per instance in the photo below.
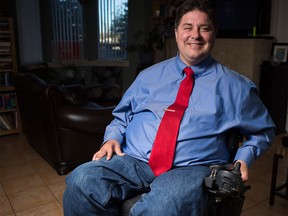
(195, 37)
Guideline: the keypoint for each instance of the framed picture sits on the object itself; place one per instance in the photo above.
(280, 51)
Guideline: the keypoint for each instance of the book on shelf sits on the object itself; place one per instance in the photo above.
(5, 44)
(5, 51)
(5, 65)
(2, 127)
(6, 123)
(9, 120)
(5, 79)
(6, 58)
(8, 101)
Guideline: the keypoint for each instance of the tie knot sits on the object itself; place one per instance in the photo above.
(188, 71)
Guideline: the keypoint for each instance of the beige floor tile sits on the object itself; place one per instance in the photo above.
(260, 210)
(12, 161)
(50, 209)
(248, 203)
(17, 171)
(22, 184)
(14, 152)
(2, 192)
(58, 191)
(265, 178)
(50, 176)
(11, 153)
(1, 175)
(258, 192)
(32, 198)
(6, 208)
(15, 139)
(280, 205)
(41, 166)
(32, 155)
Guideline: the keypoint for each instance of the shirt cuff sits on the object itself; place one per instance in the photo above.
(245, 154)
(112, 136)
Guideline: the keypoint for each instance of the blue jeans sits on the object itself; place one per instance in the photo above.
(97, 187)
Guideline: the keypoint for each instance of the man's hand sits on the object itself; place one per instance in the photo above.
(109, 148)
(243, 170)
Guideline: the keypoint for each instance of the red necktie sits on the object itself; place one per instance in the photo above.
(162, 154)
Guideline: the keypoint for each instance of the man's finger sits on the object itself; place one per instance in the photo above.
(109, 153)
(101, 153)
(118, 151)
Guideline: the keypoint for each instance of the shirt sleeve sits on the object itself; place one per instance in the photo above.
(123, 114)
(257, 127)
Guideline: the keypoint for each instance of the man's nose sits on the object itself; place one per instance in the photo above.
(195, 33)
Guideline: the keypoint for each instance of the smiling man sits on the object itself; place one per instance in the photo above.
(192, 90)
(195, 37)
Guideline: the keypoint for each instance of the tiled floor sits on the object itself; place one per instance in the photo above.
(30, 187)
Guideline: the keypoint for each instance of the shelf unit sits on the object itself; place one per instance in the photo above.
(9, 113)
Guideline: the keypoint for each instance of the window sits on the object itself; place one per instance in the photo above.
(113, 23)
(68, 40)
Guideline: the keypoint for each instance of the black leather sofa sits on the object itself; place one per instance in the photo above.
(60, 123)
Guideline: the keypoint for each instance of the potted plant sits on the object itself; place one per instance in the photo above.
(145, 43)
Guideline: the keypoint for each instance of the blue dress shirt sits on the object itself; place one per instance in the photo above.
(221, 99)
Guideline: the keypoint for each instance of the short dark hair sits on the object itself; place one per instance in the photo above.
(186, 6)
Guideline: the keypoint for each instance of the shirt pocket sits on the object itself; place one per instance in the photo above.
(206, 114)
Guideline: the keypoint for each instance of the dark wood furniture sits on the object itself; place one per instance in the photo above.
(274, 92)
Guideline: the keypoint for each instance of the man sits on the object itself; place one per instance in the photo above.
(221, 99)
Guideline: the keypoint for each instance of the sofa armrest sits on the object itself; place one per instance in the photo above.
(84, 119)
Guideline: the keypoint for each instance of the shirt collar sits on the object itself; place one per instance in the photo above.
(199, 68)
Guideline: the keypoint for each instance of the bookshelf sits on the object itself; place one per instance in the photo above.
(9, 114)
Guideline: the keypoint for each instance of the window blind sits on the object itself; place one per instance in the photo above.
(113, 25)
(67, 43)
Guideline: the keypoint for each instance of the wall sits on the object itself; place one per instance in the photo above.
(243, 55)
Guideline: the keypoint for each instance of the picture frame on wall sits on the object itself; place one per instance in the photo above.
(280, 51)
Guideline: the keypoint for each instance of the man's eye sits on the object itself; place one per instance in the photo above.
(188, 28)
(205, 28)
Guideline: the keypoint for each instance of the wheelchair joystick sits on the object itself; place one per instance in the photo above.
(225, 183)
